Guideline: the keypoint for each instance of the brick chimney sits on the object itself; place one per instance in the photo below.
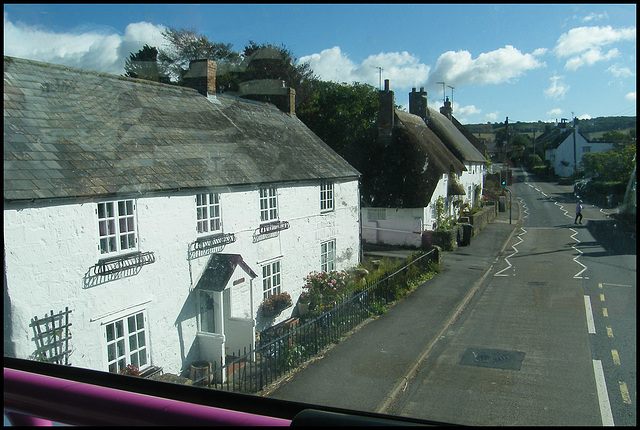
(387, 113)
(446, 109)
(201, 76)
(418, 103)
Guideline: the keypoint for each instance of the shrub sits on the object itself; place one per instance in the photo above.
(326, 289)
(275, 303)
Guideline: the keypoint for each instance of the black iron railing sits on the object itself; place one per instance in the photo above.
(250, 371)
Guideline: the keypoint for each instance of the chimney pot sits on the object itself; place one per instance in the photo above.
(386, 84)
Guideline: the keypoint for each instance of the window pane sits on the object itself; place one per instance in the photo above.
(141, 340)
(134, 359)
(111, 351)
(111, 224)
(120, 348)
(131, 324)
(110, 333)
(110, 209)
(139, 321)
(119, 329)
(143, 357)
(133, 343)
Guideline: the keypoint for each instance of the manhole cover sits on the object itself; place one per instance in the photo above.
(496, 358)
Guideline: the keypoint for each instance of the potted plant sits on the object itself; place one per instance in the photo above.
(276, 303)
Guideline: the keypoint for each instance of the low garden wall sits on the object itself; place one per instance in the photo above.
(448, 240)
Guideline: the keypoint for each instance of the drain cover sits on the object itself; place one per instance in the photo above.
(496, 358)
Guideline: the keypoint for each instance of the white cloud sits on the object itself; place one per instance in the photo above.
(501, 65)
(557, 89)
(595, 17)
(589, 58)
(492, 116)
(631, 96)
(555, 112)
(401, 68)
(585, 116)
(90, 49)
(466, 110)
(584, 44)
(539, 52)
(620, 72)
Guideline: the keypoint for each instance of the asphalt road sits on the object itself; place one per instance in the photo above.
(550, 337)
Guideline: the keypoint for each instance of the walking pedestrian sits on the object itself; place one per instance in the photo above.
(578, 212)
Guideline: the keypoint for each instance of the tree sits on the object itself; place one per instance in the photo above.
(340, 114)
(144, 65)
(268, 61)
(615, 136)
(615, 165)
(186, 45)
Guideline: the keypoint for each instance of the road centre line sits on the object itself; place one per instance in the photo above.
(609, 332)
(603, 395)
(616, 357)
(625, 392)
(604, 312)
(590, 323)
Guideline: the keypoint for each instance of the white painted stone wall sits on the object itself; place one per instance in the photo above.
(50, 250)
(564, 153)
(403, 226)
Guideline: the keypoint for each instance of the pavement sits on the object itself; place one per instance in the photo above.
(369, 367)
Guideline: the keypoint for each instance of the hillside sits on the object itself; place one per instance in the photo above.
(591, 128)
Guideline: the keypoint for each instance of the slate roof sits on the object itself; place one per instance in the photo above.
(71, 133)
(453, 138)
(219, 269)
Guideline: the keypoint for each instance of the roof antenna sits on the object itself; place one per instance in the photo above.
(452, 88)
(380, 79)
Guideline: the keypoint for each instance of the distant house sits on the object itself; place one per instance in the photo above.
(152, 220)
(560, 154)
(409, 167)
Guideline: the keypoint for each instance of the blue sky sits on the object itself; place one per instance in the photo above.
(528, 62)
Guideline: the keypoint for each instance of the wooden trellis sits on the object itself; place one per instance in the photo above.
(52, 336)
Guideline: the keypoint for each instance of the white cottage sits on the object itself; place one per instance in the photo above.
(412, 163)
(148, 222)
(567, 147)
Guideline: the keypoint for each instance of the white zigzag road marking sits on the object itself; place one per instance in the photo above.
(514, 253)
(577, 275)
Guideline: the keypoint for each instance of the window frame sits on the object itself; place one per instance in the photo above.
(115, 227)
(268, 203)
(204, 204)
(121, 360)
(328, 256)
(327, 197)
(271, 279)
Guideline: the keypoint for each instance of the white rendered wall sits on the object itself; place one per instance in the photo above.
(50, 250)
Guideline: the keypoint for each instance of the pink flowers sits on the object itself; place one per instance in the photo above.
(274, 304)
(325, 288)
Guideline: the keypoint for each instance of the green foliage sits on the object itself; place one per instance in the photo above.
(340, 114)
(144, 65)
(325, 289)
(187, 45)
(275, 303)
(616, 136)
(615, 165)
